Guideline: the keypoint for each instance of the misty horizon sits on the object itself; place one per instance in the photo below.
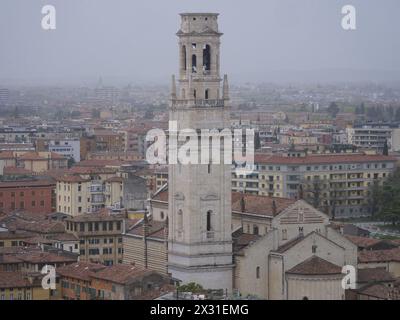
(285, 41)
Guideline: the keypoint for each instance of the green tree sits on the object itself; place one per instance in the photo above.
(385, 151)
(333, 109)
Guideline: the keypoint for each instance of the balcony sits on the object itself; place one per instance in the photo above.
(200, 103)
(96, 188)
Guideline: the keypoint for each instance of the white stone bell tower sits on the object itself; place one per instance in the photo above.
(200, 235)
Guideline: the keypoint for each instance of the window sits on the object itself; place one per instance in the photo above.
(194, 63)
(207, 58)
(258, 272)
(284, 234)
(209, 227)
(183, 57)
(255, 230)
(180, 219)
(162, 215)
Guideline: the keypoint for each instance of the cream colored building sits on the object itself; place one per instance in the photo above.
(78, 194)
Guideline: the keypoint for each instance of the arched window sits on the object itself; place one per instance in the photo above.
(206, 94)
(180, 219)
(209, 226)
(194, 63)
(162, 215)
(258, 272)
(194, 93)
(207, 57)
(183, 57)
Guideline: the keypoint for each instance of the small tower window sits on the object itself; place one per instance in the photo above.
(209, 168)
(194, 63)
(206, 94)
(194, 93)
(258, 272)
(207, 58)
(209, 227)
(180, 220)
(183, 57)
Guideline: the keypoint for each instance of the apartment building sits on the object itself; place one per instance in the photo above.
(100, 237)
(338, 181)
(68, 148)
(78, 194)
(36, 196)
(374, 137)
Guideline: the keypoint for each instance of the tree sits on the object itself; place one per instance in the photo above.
(191, 287)
(385, 151)
(386, 198)
(333, 109)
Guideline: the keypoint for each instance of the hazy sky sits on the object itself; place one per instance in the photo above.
(134, 40)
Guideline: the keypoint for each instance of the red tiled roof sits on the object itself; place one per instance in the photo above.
(362, 242)
(120, 273)
(72, 178)
(13, 280)
(27, 183)
(16, 171)
(374, 275)
(391, 255)
(315, 266)
(321, 159)
(81, 270)
(258, 204)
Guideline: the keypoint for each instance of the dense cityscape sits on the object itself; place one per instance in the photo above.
(84, 214)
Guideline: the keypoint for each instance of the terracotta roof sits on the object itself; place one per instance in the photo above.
(32, 155)
(16, 171)
(155, 229)
(120, 273)
(377, 290)
(242, 240)
(64, 237)
(99, 163)
(321, 159)
(13, 280)
(91, 170)
(81, 270)
(115, 179)
(161, 196)
(27, 183)
(18, 234)
(367, 256)
(7, 155)
(72, 178)
(374, 275)
(100, 216)
(315, 266)
(362, 242)
(258, 204)
(291, 243)
(255, 204)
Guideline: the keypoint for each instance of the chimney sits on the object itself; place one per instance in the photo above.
(273, 208)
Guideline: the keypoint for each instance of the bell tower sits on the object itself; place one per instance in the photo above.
(200, 235)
